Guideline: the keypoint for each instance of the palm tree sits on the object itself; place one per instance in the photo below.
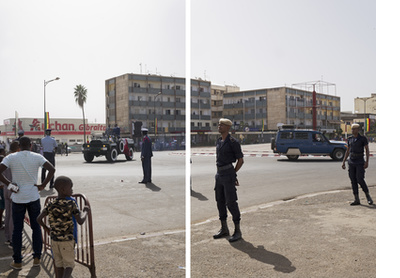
(80, 95)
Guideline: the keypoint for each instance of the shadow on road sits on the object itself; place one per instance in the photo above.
(280, 262)
(152, 186)
(308, 160)
(198, 195)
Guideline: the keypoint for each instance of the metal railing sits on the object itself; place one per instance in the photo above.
(84, 248)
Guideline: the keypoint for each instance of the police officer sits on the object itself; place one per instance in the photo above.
(20, 134)
(50, 146)
(228, 152)
(357, 164)
(145, 156)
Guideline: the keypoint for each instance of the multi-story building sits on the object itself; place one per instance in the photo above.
(156, 101)
(200, 105)
(217, 97)
(264, 109)
(365, 104)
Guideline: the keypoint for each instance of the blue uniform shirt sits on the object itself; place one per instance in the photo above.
(228, 151)
(356, 146)
(49, 144)
(146, 147)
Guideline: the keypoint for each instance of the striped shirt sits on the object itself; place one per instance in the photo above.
(24, 166)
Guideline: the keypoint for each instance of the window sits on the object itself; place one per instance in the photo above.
(178, 99)
(301, 135)
(286, 135)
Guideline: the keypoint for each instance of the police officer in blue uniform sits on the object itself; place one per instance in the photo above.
(228, 152)
(145, 156)
(357, 165)
(50, 146)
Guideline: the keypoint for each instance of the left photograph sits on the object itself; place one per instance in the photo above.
(92, 139)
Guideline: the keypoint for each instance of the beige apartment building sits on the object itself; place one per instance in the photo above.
(158, 102)
(217, 97)
(365, 104)
(264, 109)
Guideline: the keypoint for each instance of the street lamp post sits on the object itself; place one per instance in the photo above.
(44, 106)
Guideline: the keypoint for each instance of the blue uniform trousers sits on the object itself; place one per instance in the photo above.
(51, 158)
(146, 165)
(225, 194)
(357, 174)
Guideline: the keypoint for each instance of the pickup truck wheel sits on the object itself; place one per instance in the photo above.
(338, 154)
(129, 156)
(292, 157)
(88, 157)
(112, 155)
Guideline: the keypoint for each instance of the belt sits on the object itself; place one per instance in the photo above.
(225, 167)
(356, 154)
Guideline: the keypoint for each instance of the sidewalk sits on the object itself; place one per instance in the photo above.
(318, 235)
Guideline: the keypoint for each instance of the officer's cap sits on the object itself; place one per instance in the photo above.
(20, 132)
(225, 121)
(144, 129)
(355, 126)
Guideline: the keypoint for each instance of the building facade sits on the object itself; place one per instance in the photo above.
(264, 109)
(217, 98)
(156, 101)
(365, 104)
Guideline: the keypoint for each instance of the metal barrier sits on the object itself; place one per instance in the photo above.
(84, 248)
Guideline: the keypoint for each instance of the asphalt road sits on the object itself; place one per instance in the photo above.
(267, 178)
(122, 207)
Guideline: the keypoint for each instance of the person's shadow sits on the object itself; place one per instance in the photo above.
(152, 186)
(198, 195)
(280, 262)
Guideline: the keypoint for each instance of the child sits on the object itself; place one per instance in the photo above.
(60, 213)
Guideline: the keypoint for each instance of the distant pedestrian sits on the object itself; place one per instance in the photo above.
(61, 226)
(50, 147)
(24, 166)
(145, 156)
(66, 148)
(357, 165)
(228, 152)
(116, 131)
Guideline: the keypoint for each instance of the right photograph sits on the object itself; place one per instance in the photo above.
(283, 138)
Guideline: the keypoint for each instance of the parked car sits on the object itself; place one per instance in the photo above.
(296, 142)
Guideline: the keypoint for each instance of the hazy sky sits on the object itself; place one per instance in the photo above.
(83, 42)
(270, 43)
(253, 44)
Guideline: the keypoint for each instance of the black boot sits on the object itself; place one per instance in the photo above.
(223, 232)
(369, 199)
(356, 200)
(237, 234)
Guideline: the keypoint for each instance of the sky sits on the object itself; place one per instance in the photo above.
(83, 42)
(252, 44)
(268, 43)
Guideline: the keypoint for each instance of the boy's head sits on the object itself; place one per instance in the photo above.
(63, 185)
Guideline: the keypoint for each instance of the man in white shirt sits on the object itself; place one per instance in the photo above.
(24, 166)
(50, 146)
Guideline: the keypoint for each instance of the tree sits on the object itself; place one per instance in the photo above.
(80, 95)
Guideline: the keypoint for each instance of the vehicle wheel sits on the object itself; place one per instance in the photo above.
(292, 157)
(121, 146)
(88, 157)
(272, 143)
(112, 155)
(130, 155)
(338, 154)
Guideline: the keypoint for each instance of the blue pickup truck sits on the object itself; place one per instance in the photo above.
(296, 142)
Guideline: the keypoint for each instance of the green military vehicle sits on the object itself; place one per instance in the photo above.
(109, 147)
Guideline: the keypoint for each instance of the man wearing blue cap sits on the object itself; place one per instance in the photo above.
(49, 145)
(145, 156)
